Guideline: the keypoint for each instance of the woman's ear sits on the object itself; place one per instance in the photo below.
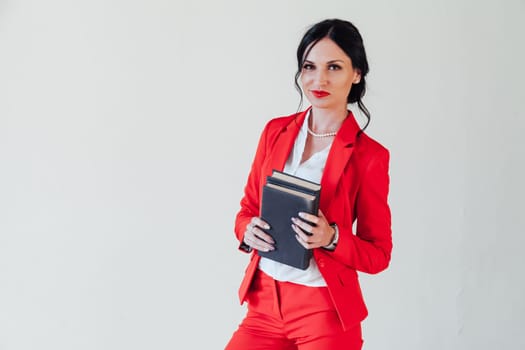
(357, 77)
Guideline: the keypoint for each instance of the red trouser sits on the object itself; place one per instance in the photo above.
(284, 315)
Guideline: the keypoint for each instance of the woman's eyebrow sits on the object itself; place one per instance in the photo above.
(329, 62)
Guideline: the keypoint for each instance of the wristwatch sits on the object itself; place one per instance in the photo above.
(333, 244)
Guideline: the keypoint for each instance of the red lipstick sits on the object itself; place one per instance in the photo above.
(320, 93)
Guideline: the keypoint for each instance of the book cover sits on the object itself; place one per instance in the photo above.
(294, 182)
(284, 196)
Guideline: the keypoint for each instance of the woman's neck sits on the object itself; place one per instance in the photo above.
(327, 120)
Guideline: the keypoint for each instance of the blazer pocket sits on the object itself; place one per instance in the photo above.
(347, 277)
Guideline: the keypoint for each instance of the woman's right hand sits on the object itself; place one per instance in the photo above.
(257, 238)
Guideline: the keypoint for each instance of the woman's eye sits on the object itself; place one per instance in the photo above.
(334, 67)
(308, 66)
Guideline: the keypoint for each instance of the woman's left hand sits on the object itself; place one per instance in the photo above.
(321, 233)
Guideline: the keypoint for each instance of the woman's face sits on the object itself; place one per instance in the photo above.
(327, 75)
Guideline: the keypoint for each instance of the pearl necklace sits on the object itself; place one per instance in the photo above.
(328, 134)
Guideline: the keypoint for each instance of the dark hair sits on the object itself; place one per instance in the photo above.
(348, 38)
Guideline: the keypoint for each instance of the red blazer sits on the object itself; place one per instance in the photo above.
(354, 186)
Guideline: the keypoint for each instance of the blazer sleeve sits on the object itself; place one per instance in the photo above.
(370, 248)
(250, 200)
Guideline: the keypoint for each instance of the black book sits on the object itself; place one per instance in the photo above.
(284, 196)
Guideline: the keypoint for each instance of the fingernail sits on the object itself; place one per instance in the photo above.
(301, 215)
(267, 226)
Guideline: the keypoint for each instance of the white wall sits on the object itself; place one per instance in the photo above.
(126, 133)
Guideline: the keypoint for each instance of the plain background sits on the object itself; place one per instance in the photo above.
(127, 129)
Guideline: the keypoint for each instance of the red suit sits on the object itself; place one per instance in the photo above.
(354, 186)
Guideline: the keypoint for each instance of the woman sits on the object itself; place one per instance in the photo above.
(320, 307)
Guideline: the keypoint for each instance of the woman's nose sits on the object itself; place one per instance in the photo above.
(321, 77)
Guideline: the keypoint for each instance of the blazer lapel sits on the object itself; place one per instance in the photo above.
(284, 143)
(340, 152)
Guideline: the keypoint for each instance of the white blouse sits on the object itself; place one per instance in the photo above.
(312, 169)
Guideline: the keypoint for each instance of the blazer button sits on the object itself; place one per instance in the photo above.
(320, 263)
